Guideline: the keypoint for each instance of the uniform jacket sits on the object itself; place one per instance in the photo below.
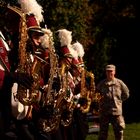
(4, 62)
(113, 94)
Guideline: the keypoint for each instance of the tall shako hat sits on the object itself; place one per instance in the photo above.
(80, 50)
(34, 15)
(31, 21)
(65, 41)
(65, 37)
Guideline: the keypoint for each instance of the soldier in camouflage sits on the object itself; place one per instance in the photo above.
(114, 91)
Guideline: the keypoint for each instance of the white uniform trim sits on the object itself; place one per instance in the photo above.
(19, 111)
(4, 42)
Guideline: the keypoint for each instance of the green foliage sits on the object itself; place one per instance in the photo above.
(93, 23)
(106, 18)
(72, 15)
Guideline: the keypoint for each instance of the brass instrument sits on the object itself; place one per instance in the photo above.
(87, 92)
(95, 96)
(30, 96)
(56, 103)
(26, 65)
(92, 85)
(67, 114)
(51, 101)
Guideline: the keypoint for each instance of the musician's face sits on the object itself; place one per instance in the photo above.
(36, 38)
(69, 60)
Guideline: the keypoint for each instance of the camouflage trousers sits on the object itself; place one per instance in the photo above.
(118, 125)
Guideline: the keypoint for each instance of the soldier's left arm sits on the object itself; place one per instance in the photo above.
(125, 91)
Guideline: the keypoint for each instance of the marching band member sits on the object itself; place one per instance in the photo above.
(65, 37)
(72, 60)
(80, 118)
(32, 41)
(38, 47)
(7, 78)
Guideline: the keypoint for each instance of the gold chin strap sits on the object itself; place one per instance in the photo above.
(63, 68)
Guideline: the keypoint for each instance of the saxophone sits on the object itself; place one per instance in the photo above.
(56, 103)
(26, 65)
(67, 114)
(30, 96)
(93, 95)
(87, 93)
(92, 86)
(51, 101)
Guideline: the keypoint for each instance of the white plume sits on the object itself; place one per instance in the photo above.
(45, 41)
(32, 7)
(46, 38)
(65, 37)
(79, 48)
(73, 52)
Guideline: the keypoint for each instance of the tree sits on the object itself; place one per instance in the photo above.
(94, 23)
(107, 19)
(72, 15)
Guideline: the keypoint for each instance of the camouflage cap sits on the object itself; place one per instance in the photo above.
(110, 67)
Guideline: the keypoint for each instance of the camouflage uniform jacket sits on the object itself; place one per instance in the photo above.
(114, 93)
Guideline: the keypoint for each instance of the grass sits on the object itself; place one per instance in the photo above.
(131, 132)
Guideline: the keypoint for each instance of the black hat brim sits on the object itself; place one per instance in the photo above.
(38, 31)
